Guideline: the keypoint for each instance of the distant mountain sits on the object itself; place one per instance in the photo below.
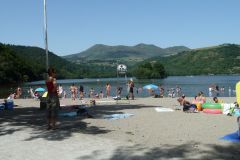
(124, 53)
(222, 59)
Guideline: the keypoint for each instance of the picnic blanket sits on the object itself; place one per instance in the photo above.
(160, 109)
(68, 114)
(117, 116)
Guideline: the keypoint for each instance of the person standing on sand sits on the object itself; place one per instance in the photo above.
(53, 103)
(131, 86)
(73, 91)
(60, 90)
(18, 92)
(81, 91)
(108, 88)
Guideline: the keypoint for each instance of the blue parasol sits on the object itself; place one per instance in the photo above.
(39, 90)
(150, 86)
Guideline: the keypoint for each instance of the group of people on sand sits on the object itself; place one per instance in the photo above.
(191, 106)
(171, 92)
(79, 92)
(196, 104)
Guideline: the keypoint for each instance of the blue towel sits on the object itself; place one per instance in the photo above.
(236, 112)
(117, 116)
(68, 114)
(232, 137)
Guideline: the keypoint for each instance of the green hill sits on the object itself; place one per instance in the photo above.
(127, 54)
(37, 57)
(24, 63)
(222, 59)
(14, 68)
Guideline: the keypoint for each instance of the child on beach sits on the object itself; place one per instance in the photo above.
(216, 100)
(201, 98)
(187, 106)
(101, 95)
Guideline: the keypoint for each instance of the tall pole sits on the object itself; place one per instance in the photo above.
(45, 32)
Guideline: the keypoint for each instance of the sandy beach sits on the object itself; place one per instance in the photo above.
(145, 135)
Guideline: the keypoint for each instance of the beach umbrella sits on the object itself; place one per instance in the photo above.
(150, 87)
(39, 89)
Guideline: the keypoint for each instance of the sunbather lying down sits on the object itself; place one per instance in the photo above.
(117, 98)
(88, 103)
(81, 110)
(187, 106)
(158, 96)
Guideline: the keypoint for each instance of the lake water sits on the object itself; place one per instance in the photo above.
(190, 85)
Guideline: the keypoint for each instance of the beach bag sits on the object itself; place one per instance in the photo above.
(186, 107)
(2, 106)
(193, 106)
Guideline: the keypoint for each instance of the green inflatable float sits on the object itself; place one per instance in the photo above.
(212, 105)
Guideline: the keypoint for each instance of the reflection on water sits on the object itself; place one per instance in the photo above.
(190, 85)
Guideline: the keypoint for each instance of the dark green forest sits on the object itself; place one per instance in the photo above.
(149, 70)
(223, 59)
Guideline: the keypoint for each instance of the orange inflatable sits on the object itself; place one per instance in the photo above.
(199, 106)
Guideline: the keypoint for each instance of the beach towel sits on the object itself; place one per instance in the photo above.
(117, 116)
(105, 101)
(227, 108)
(160, 109)
(232, 137)
(68, 114)
(236, 112)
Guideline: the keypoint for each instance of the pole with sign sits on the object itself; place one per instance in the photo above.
(122, 70)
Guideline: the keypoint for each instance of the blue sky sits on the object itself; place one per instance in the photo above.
(76, 25)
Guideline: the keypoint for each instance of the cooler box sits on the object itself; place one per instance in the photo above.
(9, 104)
(2, 106)
(43, 102)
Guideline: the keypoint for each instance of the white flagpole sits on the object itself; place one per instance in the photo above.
(45, 32)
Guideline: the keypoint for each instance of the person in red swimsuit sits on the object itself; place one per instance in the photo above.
(53, 99)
